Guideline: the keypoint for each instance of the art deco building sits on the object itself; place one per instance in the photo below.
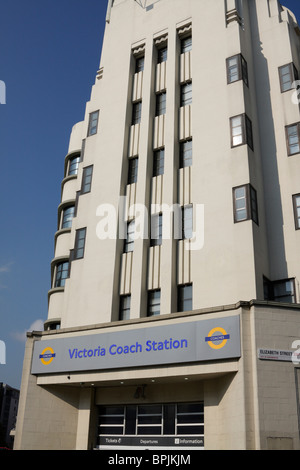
(174, 309)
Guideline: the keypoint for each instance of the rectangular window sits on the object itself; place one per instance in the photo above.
(167, 419)
(159, 162)
(61, 274)
(185, 298)
(190, 419)
(136, 113)
(111, 420)
(288, 74)
(139, 64)
(186, 94)
(153, 303)
(129, 242)
(161, 104)
(87, 179)
(186, 44)
(241, 131)
(93, 123)
(293, 139)
(79, 243)
(280, 291)
(296, 202)
(162, 55)
(187, 222)
(133, 170)
(284, 291)
(149, 420)
(156, 229)
(245, 204)
(186, 153)
(237, 69)
(68, 214)
(73, 165)
(125, 302)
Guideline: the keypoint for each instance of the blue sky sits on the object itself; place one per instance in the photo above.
(49, 56)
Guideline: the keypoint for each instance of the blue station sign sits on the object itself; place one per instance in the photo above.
(186, 342)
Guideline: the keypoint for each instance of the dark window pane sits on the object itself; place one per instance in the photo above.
(133, 170)
(186, 153)
(186, 44)
(125, 307)
(159, 162)
(139, 64)
(190, 430)
(169, 419)
(111, 430)
(130, 420)
(185, 298)
(149, 431)
(136, 113)
(190, 408)
(161, 103)
(162, 55)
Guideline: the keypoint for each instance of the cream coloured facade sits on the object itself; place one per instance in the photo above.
(174, 304)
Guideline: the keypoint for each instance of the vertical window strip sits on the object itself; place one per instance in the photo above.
(129, 242)
(161, 103)
(93, 123)
(154, 303)
(162, 55)
(79, 243)
(125, 304)
(156, 229)
(139, 64)
(296, 200)
(136, 113)
(159, 162)
(186, 94)
(133, 170)
(186, 44)
(185, 298)
(87, 180)
(187, 222)
(293, 139)
(186, 153)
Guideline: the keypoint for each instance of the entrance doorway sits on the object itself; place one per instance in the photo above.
(177, 426)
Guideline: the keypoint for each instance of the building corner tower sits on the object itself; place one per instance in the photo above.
(174, 304)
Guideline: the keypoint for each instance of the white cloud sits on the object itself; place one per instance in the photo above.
(37, 325)
(4, 268)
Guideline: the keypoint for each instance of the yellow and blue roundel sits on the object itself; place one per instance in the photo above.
(47, 356)
(217, 338)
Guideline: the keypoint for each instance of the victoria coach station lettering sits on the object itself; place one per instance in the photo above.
(132, 349)
(202, 340)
